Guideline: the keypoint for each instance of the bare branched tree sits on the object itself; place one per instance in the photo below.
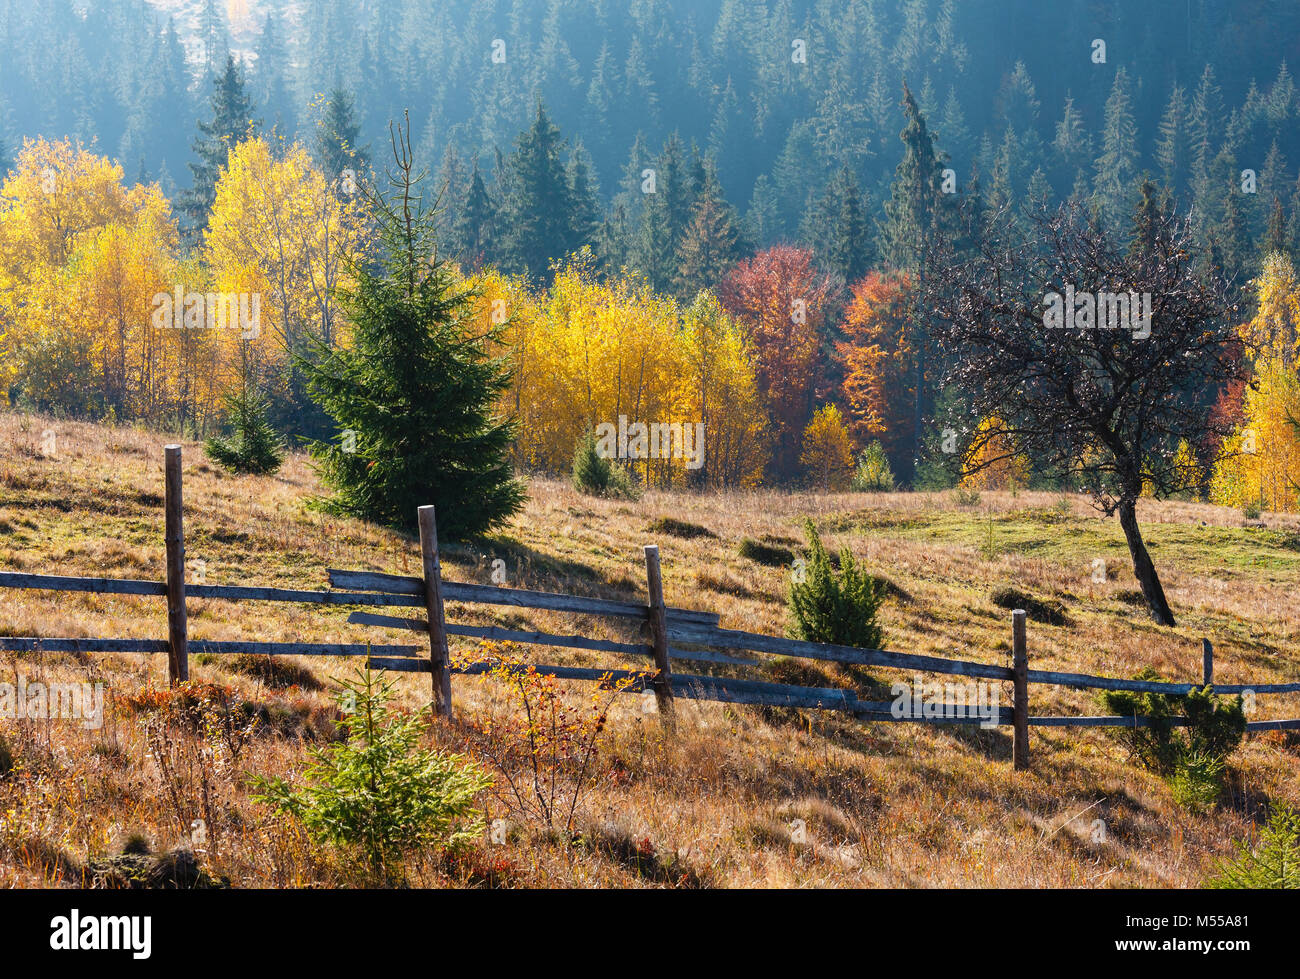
(1038, 336)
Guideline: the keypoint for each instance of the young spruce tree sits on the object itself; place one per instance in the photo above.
(232, 122)
(415, 394)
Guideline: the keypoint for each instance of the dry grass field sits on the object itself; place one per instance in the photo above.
(883, 804)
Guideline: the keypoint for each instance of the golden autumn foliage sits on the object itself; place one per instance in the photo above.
(1274, 330)
(1261, 460)
(879, 384)
(81, 257)
(84, 258)
(992, 463)
(591, 353)
(827, 453)
(279, 229)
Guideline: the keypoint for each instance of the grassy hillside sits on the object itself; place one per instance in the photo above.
(883, 804)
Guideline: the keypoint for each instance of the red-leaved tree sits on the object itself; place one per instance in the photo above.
(782, 298)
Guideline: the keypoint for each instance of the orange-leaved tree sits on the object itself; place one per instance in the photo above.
(879, 386)
(782, 299)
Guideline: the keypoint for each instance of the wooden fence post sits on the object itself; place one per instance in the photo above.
(179, 660)
(1207, 663)
(1020, 715)
(659, 635)
(439, 654)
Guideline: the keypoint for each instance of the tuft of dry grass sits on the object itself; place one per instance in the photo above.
(740, 797)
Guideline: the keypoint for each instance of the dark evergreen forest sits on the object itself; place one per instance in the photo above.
(788, 112)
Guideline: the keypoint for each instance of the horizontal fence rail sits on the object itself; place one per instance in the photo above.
(669, 634)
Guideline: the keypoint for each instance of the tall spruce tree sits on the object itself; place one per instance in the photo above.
(911, 211)
(838, 229)
(232, 122)
(914, 213)
(474, 228)
(1116, 168)
(712, 242)
(416, 393)
(270, 79)
(584, 211)
(537, 206)
(338, 138)
(664, 218)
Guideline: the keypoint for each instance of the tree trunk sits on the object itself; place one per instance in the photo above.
(1142, 566)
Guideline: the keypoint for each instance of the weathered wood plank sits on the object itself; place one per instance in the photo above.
(298, 648)
(725, 690)
(27, 644)
(731, 639)
(62, 645)
(1020, 685)
(1088, 682)
(658, 621)
(1287, 725)
(436, 621)
(642, 678)
(504, 635)
(405, 665)
(545, 639)
(1045, 721)
(454, 591)
(100, 586)
(375, 581)
(237, 593)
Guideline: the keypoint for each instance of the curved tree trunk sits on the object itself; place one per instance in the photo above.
(1142, 566)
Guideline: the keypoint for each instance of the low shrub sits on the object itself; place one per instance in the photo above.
(835, 607)
(873, 474)
(1191, 757)
(253, 446)
(1274, 863)
(597, 475)
(379, 792)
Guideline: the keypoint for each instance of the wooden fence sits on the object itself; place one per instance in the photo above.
(672, 636)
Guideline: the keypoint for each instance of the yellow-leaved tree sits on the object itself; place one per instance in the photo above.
(992, 462)
(1259, 464)
(279, 229)
(81, 258)
(827, 452)
(674, 389)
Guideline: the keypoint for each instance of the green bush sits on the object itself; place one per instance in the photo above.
(832, 607)
(1191, 757)
(376, 790)
(253, 446)
(1197, 782)
(594, 474)
(873, 474)
(1273, 864)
